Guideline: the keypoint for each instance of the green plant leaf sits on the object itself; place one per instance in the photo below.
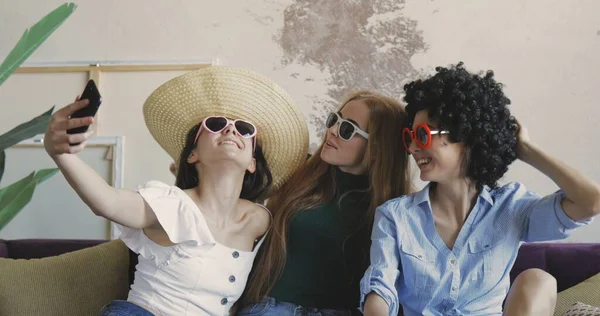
(14, 197)
(33, 37)
(2, 160)
(44, 174)
(37, 125)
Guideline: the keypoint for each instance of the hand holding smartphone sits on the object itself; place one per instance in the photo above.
(92, 94)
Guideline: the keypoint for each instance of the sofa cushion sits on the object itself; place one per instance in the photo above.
(76, 283)
(585, 292)
(580, 309)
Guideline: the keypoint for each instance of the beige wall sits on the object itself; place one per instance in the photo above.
(546, 52)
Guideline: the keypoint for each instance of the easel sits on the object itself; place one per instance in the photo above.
(95, 70)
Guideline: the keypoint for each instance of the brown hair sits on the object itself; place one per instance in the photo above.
(313, 184)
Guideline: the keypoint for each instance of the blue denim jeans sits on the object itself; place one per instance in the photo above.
(271, 307)
(124, 308)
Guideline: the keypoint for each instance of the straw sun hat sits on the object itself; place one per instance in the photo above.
(181, 103)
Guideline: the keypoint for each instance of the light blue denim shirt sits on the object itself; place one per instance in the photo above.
(412, 266)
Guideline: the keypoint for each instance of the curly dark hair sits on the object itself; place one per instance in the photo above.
(473, 108)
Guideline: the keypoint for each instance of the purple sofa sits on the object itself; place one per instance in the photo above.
(569, 263)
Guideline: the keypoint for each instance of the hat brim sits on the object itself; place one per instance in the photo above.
(183, 102)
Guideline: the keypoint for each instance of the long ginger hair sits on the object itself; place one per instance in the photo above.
(313, 184)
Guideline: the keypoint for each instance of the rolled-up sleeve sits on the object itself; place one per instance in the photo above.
(547, 219)
(382, 275)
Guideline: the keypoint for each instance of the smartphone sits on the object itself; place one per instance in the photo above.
(92, 94)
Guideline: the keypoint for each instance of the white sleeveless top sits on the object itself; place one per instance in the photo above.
(197, 275)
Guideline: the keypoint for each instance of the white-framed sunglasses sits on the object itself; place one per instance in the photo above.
(346, 129)
(216, 124)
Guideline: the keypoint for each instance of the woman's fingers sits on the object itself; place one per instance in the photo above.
(78, 122)
(68, 110)
(77, 148)
(76, 138)
(73, 107)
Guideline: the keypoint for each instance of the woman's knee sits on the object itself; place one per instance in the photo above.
(532, 293)
(538, 279)
(535, 286)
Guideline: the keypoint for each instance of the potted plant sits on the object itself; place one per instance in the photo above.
(14, 197)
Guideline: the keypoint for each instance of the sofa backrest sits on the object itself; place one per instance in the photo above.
(569, 263)
(3, 249)
(41, 248)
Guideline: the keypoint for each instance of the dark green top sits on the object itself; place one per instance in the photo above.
(326, 257)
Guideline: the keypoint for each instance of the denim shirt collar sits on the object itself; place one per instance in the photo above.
(423, 195)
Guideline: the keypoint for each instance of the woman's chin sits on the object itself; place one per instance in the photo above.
(426, 176)
(326, 156)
